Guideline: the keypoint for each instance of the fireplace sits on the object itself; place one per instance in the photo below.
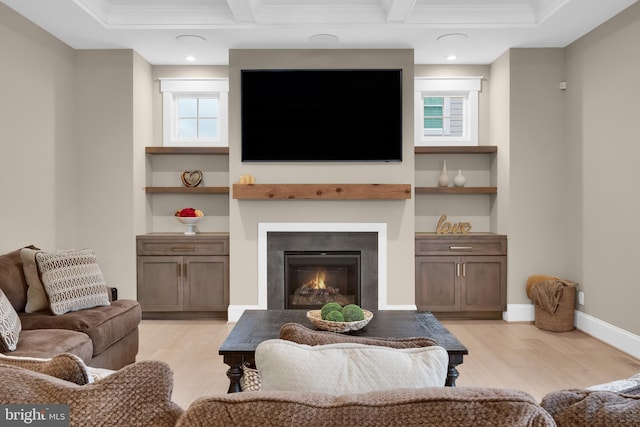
(314, 278)
(349, 261)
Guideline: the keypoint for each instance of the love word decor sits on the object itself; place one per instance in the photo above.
(191, 178)
(445, 227)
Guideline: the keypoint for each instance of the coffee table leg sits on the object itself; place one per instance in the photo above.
(452, 371)
(234, 374)
(452, 375)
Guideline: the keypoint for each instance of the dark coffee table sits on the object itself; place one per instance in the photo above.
(255, 326)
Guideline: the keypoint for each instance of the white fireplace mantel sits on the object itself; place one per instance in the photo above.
(264, 228)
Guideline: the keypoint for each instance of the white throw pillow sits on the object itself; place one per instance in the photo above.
(348, 368)
(10, 325)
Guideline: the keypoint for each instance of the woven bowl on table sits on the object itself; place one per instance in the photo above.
(327, 325)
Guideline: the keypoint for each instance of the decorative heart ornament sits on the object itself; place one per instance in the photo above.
(191, 178)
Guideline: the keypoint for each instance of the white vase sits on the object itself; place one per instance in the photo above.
(443, 180)
(459, 180)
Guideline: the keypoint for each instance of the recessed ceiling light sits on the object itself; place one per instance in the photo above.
(452, 38)
(324, 39)
(191, 39)
(190, 58)
(451, 57)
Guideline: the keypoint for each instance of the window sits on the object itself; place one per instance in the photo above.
(447, 111)
(195, 112)
(443, 116)
(197, 118)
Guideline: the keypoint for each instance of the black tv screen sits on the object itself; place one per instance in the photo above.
(321, 115)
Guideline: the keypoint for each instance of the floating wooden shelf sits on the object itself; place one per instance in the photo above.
(456, 190)
(187, 150)
(187, 190)
(322, 191)
(453, 149)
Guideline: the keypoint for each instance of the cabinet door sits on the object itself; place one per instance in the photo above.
(159, 283)
(483, 284)
(206, 283)
(437, 283)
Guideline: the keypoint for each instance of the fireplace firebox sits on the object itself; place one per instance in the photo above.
(314, 278)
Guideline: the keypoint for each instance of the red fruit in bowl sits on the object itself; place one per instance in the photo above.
(187, 212)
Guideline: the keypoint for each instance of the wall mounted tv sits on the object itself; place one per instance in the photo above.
(324, 115)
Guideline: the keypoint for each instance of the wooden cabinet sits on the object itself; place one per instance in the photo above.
(461, 275)
(183, 274)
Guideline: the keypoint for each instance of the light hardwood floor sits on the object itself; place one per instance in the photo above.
(501, 354)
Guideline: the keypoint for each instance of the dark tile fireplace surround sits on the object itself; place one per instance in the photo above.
(341, 252)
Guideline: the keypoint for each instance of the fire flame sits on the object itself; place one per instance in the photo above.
(318, 281)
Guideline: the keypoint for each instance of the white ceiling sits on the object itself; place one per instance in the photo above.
(150, 27)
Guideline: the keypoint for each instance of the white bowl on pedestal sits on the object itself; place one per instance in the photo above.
(190, 222)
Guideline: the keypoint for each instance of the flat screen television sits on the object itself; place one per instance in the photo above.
(323, 115)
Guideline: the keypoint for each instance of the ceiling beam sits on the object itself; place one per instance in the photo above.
(399, 10)
(242, 11)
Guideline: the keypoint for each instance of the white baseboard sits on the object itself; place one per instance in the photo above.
(612, 335)
(235, 311)
(606, 332)
(519, 313)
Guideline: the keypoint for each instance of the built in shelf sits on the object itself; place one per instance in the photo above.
(456, 190)
(452, 149)
(187, 190)
(187, 150)
(322, 191)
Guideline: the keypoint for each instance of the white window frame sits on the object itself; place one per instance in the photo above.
(468, 88)
(172, 89)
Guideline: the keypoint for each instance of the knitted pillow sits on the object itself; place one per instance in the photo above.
(302, 335)
(65, 366)
(347, 368)
(10, 325)
(73, 280)
(36, 295)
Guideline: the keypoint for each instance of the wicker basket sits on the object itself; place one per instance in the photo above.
(327, 325)
(562, 319)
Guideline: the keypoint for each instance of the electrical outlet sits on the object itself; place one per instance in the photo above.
(580, 297)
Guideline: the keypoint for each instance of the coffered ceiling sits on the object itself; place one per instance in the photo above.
(476, 31)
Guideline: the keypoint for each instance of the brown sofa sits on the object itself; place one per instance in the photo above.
(136, 395)
(103, 337)
(140, 395)
(436, 406)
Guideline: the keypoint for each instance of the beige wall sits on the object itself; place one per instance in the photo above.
(246, 214)
(602, 133)
(71, 163)
(537, 205)
(37, 151)
(142, 137)
(499, 131)
(104, 154)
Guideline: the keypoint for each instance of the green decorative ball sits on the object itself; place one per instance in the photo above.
(352, 313)
(335, 316)
(329, 307)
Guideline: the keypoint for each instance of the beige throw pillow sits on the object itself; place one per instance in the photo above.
(36, 296)
(10, 325)
(348, 368)
(72, 280)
